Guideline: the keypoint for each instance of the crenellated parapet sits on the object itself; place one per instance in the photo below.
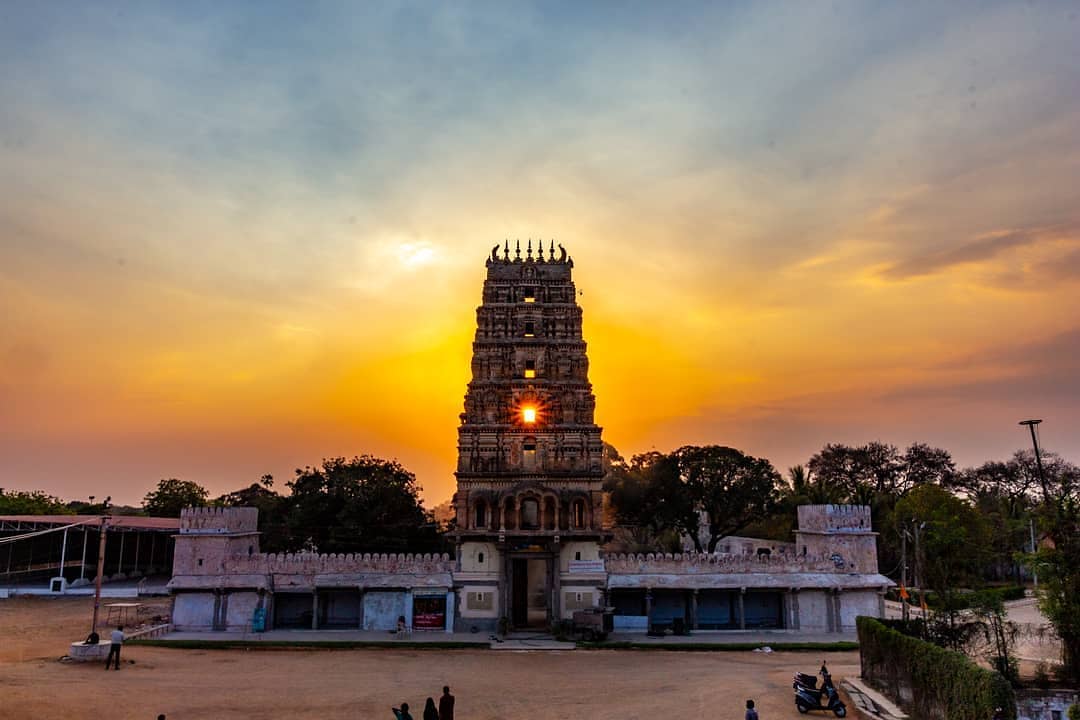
(705, 563)
(218, 520)
(320, 564)
(834, 518)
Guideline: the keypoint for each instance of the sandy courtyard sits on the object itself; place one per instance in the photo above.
(327, 684)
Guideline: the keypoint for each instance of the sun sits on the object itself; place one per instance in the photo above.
(528, 415)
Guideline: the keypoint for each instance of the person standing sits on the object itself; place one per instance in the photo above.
(402, 713)
(430, 713)
(751, 713)
(116, 641)
(446, 704)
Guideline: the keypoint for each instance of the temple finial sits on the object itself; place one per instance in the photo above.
(551, 251)
(530, 249)
(506, 250)
(517, 251)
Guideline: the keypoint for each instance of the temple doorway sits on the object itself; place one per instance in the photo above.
(530, 589)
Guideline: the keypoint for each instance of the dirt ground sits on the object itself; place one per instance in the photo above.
(327, 684)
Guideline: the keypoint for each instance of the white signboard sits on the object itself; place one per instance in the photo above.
(587, 566)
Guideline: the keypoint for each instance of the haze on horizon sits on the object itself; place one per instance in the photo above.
(238, 239)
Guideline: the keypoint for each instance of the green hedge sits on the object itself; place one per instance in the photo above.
(930, 681)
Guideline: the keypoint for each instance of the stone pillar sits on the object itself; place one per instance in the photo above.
(360, 624)
(315, 609)
(215, 622)
(693, 609)
(836, 609)
(451, 611)
(796, 621)
(648, 609)
(881, 602)
(556, 587)
(408, 607)
(742, 609)
(120, 557)
(504, 583)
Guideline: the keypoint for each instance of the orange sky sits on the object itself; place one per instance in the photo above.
(236, 243)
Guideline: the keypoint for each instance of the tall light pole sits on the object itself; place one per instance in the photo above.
(1042, 480)
(1038, 456)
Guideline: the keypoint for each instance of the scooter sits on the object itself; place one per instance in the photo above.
(811, 698)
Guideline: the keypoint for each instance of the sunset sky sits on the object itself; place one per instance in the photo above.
(238, 238)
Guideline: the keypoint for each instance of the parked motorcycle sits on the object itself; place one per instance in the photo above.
(809, 697)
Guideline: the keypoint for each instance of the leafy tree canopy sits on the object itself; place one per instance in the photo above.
(365, 504)
(172, 495)
(32, 502)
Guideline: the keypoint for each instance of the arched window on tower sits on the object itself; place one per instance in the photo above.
(579, 514)
(530, 514)
(528, 458)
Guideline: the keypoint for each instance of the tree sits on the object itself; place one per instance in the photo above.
(273, 512)
(365, 504)
(172, 496)
(1005, 493)
(32, 502)
(923, 464)
(652, 504)
(998, 631)
(951, 553)
(731, 489)
(1058, 558)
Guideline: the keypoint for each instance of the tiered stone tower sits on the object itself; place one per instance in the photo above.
(529, 500)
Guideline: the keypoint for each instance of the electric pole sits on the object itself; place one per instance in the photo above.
(903, 574)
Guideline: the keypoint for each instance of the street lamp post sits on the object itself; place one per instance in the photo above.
(1038, 456)
(1031, 424)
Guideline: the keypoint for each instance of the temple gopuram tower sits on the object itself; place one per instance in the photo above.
(529, 500)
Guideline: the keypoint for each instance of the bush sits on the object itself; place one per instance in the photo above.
(1074, 712)
(941, 683)
(1042, 676)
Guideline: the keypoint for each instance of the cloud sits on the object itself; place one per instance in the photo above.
(982, 249)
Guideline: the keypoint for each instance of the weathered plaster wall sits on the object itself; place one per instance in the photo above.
(855, 603)
(382, 609)
(813, 610)
(240, 610)
(1041, 704)
(471, 553)
(193, 611)
(705, 564)
(571, 550)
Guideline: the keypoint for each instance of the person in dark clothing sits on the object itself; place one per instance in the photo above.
(446, 704)
(115, 643)
(402, 713)
(430, 713)
(751, 713)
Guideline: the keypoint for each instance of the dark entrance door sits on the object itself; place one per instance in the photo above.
(519, 600)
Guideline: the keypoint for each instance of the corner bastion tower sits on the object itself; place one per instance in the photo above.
(529, 505)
